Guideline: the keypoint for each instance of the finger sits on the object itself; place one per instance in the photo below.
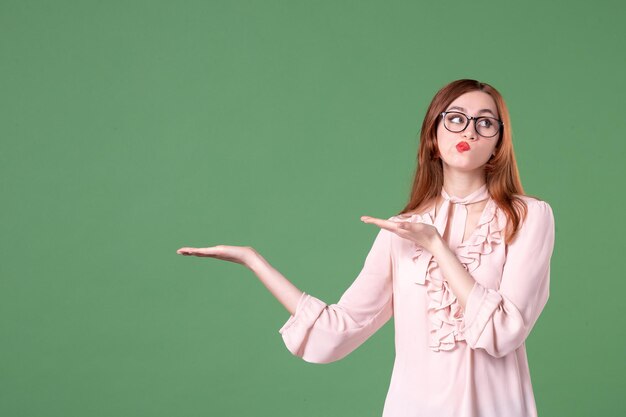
(184, 251)
(195, 251)
(382, 223)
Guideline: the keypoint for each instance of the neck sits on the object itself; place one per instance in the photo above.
(462, 184)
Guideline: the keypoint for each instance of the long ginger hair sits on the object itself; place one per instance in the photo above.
(502, 176)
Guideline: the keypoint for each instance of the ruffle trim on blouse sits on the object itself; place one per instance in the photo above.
(444, 312)
(489, 233)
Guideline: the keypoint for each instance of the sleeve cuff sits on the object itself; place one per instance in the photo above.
(302, 301)
(481, 304)
(295, 330)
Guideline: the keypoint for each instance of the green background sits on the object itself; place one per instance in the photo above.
(132, 128)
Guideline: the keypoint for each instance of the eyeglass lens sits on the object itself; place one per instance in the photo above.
(485, 126)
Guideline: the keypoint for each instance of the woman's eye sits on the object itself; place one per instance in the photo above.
(486, 122)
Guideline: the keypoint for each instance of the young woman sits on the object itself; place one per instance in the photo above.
(464, 269)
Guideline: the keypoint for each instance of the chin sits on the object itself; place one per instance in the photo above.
(463, 167)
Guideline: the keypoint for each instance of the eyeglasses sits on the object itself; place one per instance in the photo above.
(456, 121)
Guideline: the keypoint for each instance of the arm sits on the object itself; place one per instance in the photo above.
(322, 333)
(460, 281)
(276, 283)
(499, 321)
(280, 287)
(315, 331)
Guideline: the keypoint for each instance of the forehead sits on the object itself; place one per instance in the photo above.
(475, 101)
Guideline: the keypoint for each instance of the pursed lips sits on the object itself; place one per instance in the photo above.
(462, 146)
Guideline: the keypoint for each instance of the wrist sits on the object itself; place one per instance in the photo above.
(254, 260)
(437, 244)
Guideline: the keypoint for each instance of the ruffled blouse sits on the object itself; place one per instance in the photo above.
(445, 313)
(449, 361)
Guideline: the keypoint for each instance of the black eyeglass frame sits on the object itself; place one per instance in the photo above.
(468, 119)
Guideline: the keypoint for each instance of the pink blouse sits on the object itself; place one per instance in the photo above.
(449, 361)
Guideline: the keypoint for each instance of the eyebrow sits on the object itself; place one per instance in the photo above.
(479, 111)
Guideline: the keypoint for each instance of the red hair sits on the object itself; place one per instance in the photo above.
(501, 174)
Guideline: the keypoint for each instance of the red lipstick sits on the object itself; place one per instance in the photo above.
(462, 146)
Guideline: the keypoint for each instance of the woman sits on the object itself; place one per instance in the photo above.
(464, 269)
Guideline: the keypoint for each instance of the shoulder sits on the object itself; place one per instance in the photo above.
(533, 202)
(538, 210)
(536, 233)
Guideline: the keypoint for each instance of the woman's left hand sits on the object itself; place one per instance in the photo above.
(425, 235)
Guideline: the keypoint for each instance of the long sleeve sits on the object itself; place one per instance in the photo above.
(322, 333)
(499, 321)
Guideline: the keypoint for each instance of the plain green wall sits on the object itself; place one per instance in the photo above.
(132, 128)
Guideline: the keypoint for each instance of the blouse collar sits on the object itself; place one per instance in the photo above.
(479, 195)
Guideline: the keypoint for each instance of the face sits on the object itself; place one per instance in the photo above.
(471, 156)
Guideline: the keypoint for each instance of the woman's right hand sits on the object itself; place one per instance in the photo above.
(239, 254)
(280, 287)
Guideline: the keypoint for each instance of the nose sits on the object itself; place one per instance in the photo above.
(470, 130)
